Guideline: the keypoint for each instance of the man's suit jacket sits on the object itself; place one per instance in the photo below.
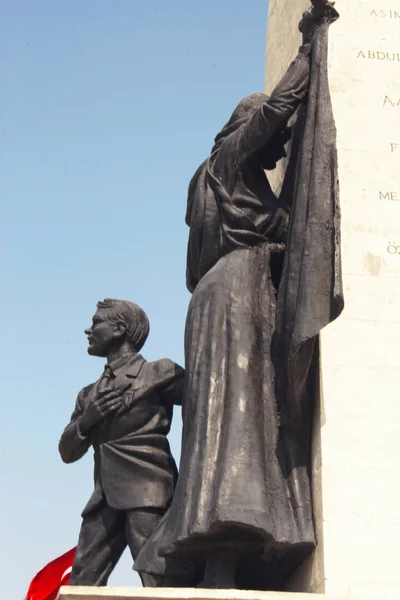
(133, 463)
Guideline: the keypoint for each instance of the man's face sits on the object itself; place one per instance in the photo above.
(100, 334)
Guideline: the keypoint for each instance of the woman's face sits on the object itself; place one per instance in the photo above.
(274, 150)
(270, 155)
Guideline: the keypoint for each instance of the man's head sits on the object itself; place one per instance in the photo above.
(115, 323)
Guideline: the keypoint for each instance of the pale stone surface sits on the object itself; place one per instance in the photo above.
(124, 593)
(356, 464)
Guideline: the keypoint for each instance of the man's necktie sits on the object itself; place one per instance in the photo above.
(105, 380)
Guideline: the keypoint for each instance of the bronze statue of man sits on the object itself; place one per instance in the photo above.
(125, 416)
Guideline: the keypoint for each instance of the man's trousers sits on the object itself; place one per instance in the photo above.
(104, 535)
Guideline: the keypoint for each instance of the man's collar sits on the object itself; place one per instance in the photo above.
(130, 364)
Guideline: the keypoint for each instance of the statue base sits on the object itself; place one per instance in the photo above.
(137, 593)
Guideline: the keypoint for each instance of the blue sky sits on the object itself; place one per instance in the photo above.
(107, 108)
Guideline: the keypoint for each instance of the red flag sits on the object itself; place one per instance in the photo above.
(46, 584)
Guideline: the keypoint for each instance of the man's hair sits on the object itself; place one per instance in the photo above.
(132, 316)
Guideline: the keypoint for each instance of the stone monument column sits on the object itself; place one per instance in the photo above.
(356, 466)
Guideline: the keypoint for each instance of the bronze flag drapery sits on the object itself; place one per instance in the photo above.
(310, 293)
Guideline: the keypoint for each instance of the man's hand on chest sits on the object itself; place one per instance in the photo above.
(107, 397)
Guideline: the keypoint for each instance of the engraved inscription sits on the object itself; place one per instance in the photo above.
(391, 196)
(385, 14)
(379, 55)
(391, 101)
(393, 248)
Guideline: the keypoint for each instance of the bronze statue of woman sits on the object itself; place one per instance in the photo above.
(237, 512)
